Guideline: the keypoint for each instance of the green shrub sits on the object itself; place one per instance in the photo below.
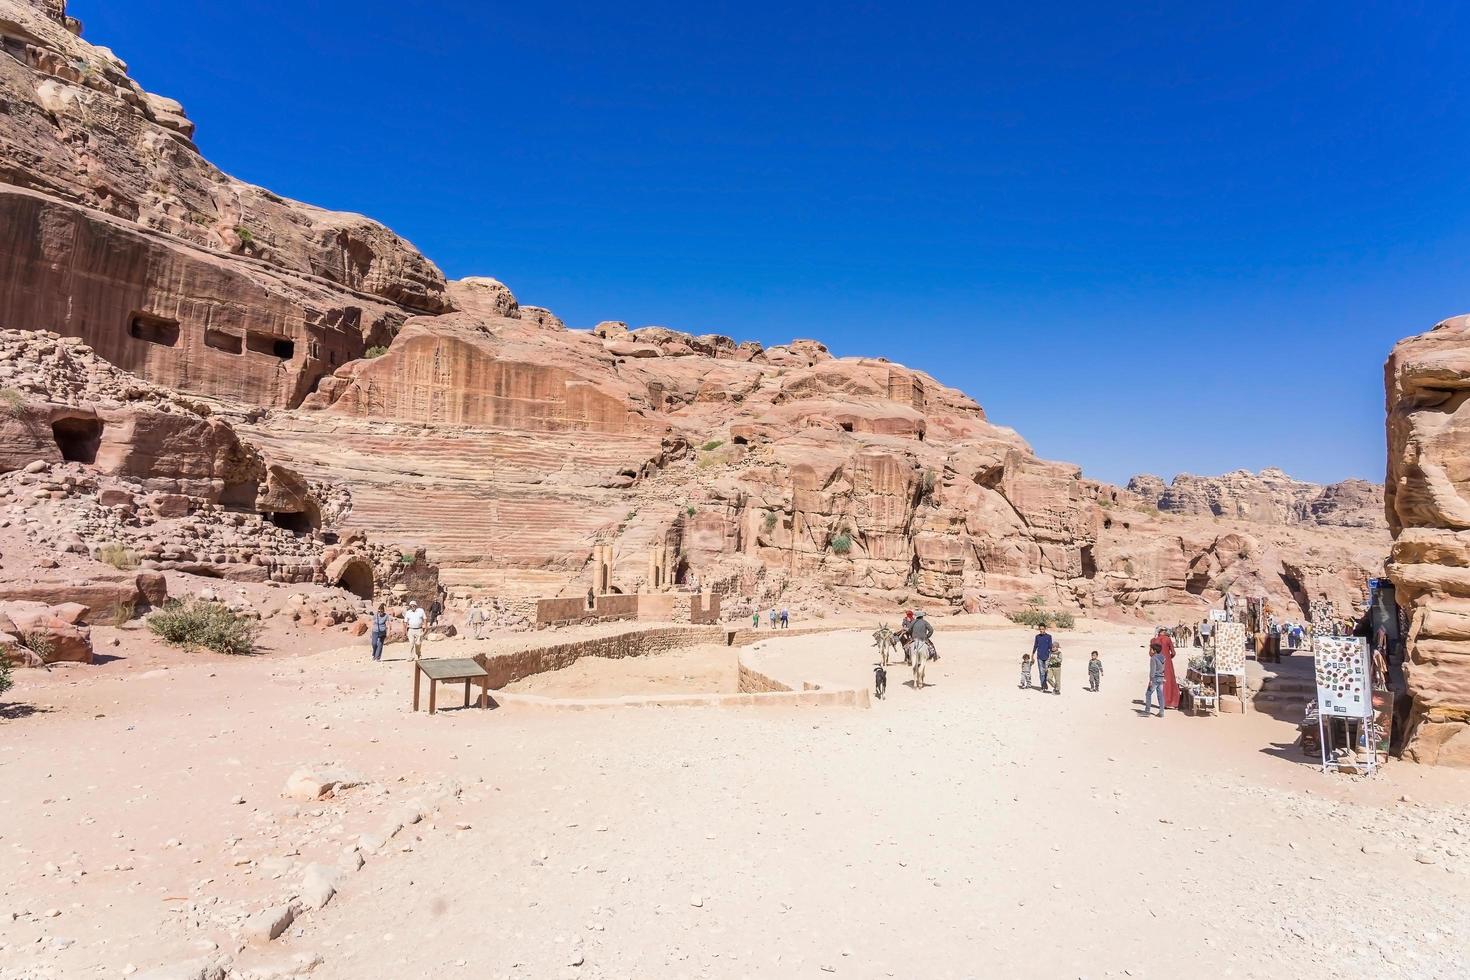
(407, 557)
(842, 543)
(712, 445)
(39, 643)
(12, 402)
(927, 480)
(194, 623)
(115, 554)
(377, 350)
(1035, 618)
(5, 680)
(246, 235)
(771, 519)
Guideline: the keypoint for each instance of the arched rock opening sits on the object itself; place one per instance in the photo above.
(353, 574)
(77, 438)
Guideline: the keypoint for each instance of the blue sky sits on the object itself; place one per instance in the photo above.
(1150, 237)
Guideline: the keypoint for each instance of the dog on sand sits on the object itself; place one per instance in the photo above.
(880, 682)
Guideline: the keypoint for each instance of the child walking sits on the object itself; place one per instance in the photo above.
(1054, 668)
(1026, 670)
(1094, 672)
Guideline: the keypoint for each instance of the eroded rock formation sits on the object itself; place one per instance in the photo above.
(1267, 497)
(1427, 495)
(508, 446)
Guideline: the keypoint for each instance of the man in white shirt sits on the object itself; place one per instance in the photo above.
(414, 618)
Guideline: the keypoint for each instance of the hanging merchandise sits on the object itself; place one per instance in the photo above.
(1344, 690)
(1230, 648)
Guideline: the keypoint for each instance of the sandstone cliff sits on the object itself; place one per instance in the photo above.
(1267, 497)
(114, 228)
(1427, 496)
(510, 446)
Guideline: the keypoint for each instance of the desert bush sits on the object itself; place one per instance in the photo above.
(123, 611)
(6, 682)
(770, 520)
(842, 543)
(377, 350)
(691, 510)
(39, 643)
(117, 555)
(1036, 617)
(712, 445)
(927, 480)
(197, 623)
(12, 402)
(246, 235)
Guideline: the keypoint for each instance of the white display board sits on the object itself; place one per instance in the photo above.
(1218, 616)
(1229, 648)
(1344, 685)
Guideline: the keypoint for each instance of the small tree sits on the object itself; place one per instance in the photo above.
(842, 544)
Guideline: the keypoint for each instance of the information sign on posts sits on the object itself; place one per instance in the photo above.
(1344, 685)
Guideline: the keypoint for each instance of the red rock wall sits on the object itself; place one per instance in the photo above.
(1427, 494)
(173, 314)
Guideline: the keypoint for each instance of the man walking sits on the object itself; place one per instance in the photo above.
(477, 621)
(1041, 650)
(414, 619)
(1155, 681)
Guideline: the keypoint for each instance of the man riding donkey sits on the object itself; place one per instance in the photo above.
(921, 647)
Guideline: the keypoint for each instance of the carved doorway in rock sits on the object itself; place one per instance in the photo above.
(77, 438)
(356, 576)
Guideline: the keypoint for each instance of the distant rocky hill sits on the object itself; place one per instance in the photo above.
(509, 446)
(1267, 497)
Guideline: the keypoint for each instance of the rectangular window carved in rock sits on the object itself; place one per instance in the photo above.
(266, 343)
(219, 340)
(154, 329)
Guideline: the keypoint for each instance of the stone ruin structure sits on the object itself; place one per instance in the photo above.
(1427, 497)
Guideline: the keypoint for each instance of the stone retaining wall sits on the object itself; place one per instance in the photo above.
(507, 668)
(758, 683)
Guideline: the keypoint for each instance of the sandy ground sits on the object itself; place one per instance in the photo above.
(970, 829)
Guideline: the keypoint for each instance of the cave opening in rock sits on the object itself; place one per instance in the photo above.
(154, 329)
(298, 522)
(357, 578)
(1089, 562)
(265, 343)
(220, 340)
(77, 439)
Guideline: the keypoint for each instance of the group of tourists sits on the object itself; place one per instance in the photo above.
(415, 620)
(781, 620)
(1046, 655)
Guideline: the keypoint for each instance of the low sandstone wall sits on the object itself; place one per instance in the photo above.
(847, 698)
(507, 668)
(759, 683)
(658, 607)
(753, 681)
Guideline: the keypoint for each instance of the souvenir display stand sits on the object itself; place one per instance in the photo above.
(1344, 692)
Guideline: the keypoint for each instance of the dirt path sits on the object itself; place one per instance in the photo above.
(971, 829)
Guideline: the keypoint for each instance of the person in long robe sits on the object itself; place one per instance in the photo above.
(1164, 643)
